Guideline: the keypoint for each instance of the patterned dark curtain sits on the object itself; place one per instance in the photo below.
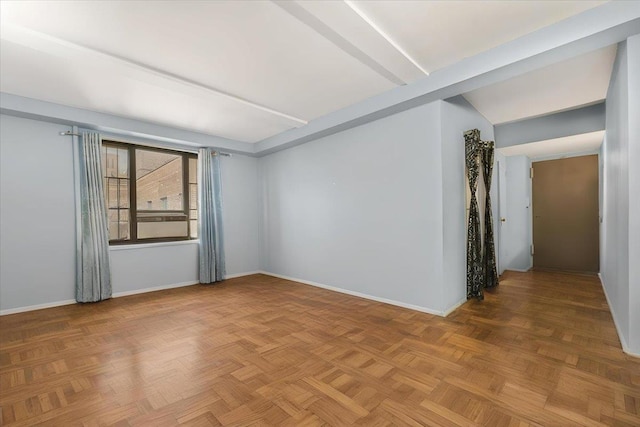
(489, 253)
(482, 271)
(474, 238)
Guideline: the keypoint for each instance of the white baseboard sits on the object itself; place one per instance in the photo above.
(153, 289)
(115, 295)
(451, 309)
(36, 307)
(176, 285)
(519, 270)
(361, 295)
(232, 276)
(248, 273)
(625, 347)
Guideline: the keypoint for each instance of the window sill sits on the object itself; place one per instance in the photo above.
(152, 245)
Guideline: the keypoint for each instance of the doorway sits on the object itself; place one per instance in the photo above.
(566, 214)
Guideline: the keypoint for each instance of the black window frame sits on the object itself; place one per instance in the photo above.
(133, 208)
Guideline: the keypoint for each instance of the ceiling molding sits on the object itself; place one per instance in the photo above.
(50, 44)
(593, 29)
(307, 18)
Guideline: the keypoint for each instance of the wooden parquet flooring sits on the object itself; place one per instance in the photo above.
(540, 350)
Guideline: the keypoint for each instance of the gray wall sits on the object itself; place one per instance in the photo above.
(621, 226)
(517, 228)
(376, 210)
(241, 213)
(37, 220)
(361, 210)
(37, 214)
(633, 52)
(458, 116)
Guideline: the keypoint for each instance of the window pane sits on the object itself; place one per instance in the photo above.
(111, 162)
(115, 167)
(193, 196)
(123, 229)
(113, 224)
(123, 163)
(158, 180)
(124, 193)
(112, 193)
(194, 229)
(193, 170)
(118, 224)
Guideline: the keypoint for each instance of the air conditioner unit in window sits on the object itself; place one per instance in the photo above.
(156, 225)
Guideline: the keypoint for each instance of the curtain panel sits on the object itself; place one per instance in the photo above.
(211, 253)
(482, 270)
(93, 274)
(489, 253)
(474, 238)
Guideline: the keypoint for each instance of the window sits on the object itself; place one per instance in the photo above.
(151, 194)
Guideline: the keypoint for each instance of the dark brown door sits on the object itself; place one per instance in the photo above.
(565, 214)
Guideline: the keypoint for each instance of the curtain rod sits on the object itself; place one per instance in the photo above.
(215, 153)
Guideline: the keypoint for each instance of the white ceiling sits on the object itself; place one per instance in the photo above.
(248, 70)
(562, 86)
(557, 147)
(441, 33)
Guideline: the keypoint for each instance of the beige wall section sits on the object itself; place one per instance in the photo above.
(565, 214)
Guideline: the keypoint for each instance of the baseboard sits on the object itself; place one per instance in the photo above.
(625, 347)
(358, 294)
(36, 307)
(451, 309)
(153, 289)
(249, 273)
(115, 295)
(519, 270)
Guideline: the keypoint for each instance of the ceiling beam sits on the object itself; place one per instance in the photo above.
(590, 30)
(307, 18)
(384, 35)
(551, 126)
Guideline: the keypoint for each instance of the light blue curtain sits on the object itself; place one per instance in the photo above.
(212, 267)
(93, 275)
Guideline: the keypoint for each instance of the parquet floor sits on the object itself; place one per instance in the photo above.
(540, 350)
